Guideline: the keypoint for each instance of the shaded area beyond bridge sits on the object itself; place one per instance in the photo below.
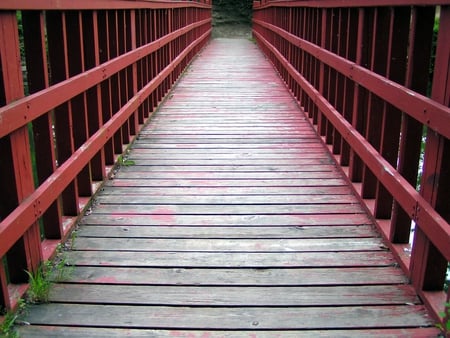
(230, 219)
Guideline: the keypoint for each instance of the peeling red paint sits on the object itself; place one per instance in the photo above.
(163, 215)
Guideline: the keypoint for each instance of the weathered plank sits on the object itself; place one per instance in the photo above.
(229, 232)
(289, 296)
(83, 332)
(226, 209)
(231, 259)
(243, 276)
(229, 220)
(247, 318)
(228, 200)
(146, 188)
(212, 175)
(229, 245)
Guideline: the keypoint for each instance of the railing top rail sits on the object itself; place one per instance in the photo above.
(97, 4)
(349, 3)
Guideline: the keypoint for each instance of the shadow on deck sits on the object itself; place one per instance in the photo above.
(231, 219)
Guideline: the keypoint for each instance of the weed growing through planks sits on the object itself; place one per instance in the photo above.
(7, 329)
(60, 268)
(124, 162)
(39, 284)
(445, 326)
(49, 271)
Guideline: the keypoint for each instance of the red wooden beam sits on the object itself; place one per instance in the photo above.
(98, 4)
(347, 3)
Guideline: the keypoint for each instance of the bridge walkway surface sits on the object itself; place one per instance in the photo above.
(229, 218)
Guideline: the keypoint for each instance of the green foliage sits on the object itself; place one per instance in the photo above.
(7, 329)
(124, 162)
(445, 327)
(39, 284)
(232, 11)
(48, 272)
(433, 54)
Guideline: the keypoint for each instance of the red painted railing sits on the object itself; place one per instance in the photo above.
(78, 78)
(376, 87)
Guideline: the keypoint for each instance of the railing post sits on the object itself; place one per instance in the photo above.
(421, 30)
(26, 253)
(359, 98)
(38, 79)
(428, 265)
(134, 69)
(94, 95)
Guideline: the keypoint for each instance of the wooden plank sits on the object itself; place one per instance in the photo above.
(236, 169)
(227, 200)
(216, 209)
(241, 139)
(231, 259)
(229, 245)
(228, 220)
(228, 318)
(230, 183)
(291, 296)
(237, 232)
(137, 155)
(223, 191)
(211, 175)
(238, 277)
(83, 332)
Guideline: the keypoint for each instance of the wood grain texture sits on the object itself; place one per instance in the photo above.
(231, 220)
(83, 332)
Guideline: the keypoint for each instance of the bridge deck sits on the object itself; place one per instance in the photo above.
(231, 217)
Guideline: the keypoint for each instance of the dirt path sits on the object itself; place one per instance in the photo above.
(232, 31)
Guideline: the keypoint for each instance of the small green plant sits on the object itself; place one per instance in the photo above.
(445, 326)
(124, 162)
(60, 269)
(49, 271)
(39, 284)
(7, 329)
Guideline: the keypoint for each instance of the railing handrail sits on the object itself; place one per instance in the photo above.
(258, 4)
(100, 4)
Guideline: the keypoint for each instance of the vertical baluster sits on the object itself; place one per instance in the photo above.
(132, 72)
(378, 63)
(365, 26)
(391, 120)
(58, 55)
(78, 103)
(122, 76)
(321, 121)
(37, 74)
(350, 47)
(103, 44)
(93, 95)
(114, 93)
(419, 52)
(428, 266)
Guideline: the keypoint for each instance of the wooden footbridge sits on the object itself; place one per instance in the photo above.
(270, 193)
